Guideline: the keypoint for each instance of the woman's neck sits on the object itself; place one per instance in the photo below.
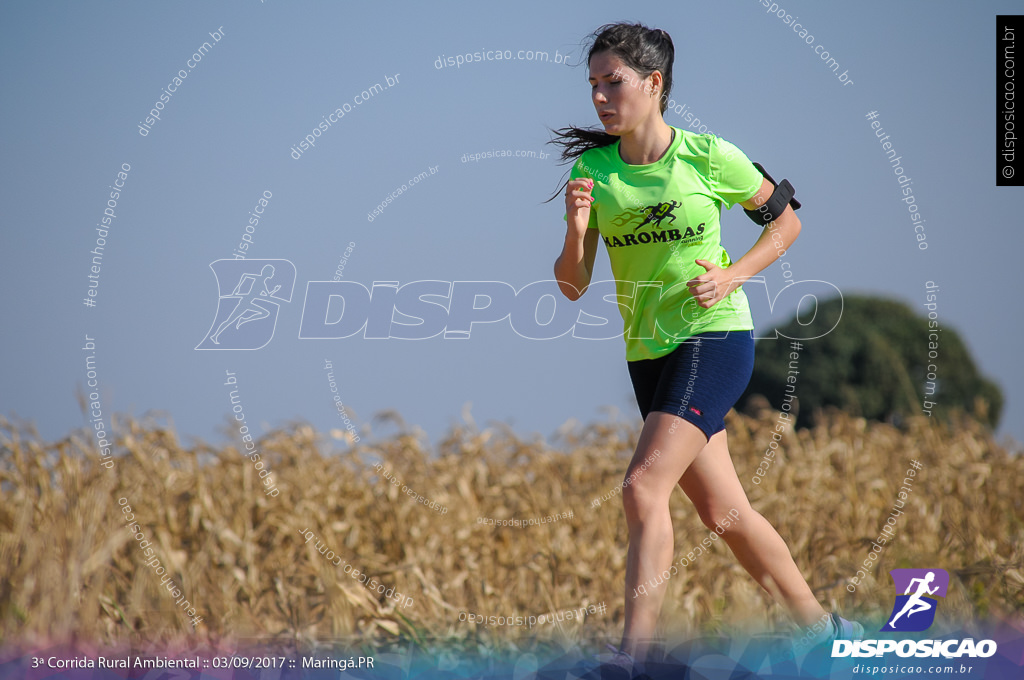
(647, 143)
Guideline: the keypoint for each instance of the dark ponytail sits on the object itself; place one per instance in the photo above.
(645, 50)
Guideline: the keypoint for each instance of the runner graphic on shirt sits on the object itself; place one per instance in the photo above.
(655, 214)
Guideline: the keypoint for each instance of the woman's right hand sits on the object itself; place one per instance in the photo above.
(578, 199)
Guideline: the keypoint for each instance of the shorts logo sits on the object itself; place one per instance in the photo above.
(247, 316)
(697, 411)
(915, 608)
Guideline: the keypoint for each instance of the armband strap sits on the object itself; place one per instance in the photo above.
(776, 204)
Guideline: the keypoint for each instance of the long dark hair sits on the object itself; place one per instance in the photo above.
(643, 49)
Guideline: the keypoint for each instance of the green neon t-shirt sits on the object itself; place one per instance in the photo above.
(655, 221)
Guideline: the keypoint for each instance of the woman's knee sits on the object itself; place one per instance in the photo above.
(640, 500)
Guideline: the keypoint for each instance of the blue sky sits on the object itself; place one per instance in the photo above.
(80, 78)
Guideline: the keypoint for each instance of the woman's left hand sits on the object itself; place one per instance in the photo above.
(713, 286)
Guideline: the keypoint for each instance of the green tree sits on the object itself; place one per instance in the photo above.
(873, 363)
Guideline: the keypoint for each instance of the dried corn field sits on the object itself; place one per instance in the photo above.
(70, 570)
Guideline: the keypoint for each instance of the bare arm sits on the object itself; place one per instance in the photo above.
(766, 250)
(716, 283)
(575, 265)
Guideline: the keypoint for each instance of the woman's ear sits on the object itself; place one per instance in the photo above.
(657, 83)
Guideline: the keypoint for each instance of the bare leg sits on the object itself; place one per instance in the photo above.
(712, 485)
(667, 446)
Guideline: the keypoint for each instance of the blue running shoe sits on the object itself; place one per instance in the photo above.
(838, 629)
(846, 630)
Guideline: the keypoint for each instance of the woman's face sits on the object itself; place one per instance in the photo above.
(621, 97)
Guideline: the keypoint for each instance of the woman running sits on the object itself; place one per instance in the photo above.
(654, 193)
